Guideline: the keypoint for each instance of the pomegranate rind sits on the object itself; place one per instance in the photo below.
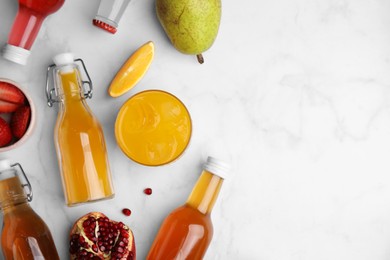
(78, 229)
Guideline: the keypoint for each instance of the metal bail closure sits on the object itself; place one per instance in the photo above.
(51, 91)
(88, 91)
(26, 186)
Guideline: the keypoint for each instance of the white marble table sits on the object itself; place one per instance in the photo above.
(295, 93)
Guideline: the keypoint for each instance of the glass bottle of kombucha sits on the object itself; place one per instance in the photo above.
(187, 232)
(78, 135)
(25, 235)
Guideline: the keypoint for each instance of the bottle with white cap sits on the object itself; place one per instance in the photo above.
(78, 135)
(109, 14)
(25, 29)
(25, 235)
(187, 232)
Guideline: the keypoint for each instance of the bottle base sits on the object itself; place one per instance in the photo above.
(73, 204)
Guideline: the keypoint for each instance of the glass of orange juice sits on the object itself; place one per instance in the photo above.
(153, 128)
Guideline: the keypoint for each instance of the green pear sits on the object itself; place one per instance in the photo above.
(191, 25)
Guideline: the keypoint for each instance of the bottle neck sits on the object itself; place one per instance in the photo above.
(25, 28)
(68, 84)
(11, 206)
(205, 192)
(11, 194)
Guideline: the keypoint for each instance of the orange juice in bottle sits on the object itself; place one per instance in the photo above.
(25, 235)
(79, 139)
(187, 232)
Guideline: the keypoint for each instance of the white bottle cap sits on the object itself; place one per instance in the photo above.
(5, 165)
(63, 59)
(16, 54)
(217, 167)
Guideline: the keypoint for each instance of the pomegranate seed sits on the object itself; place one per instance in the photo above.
(148, 191)
(73, 249)
(86, 223)
(126, 212)
(75, 236)
(124, 234)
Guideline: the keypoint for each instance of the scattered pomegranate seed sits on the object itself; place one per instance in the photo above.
(126, 211)
(148, 191)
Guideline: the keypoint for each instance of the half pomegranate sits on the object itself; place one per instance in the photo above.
(94, 236)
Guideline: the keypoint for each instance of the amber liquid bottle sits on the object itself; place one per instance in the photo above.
(25, 236)
(187, 232)
(79, 138)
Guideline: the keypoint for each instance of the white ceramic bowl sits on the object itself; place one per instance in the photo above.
(31, 125)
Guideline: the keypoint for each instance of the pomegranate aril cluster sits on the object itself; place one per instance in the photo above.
(78, 242)
(112, 237)
(89, 226)
(120, 247)
(107, 237)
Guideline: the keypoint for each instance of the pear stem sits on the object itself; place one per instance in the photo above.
(200, 58)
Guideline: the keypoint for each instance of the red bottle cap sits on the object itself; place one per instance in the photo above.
(104, 26)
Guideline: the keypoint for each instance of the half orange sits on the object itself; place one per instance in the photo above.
(132, 71)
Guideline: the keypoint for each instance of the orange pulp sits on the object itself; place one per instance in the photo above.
(153, 128)
(132, 71)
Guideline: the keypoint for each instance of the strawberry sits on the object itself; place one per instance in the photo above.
(8, 107)
(11, 93)
(20, 120)
(5, 133)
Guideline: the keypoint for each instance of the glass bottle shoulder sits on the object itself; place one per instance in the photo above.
(23, 220)
(77, 116)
